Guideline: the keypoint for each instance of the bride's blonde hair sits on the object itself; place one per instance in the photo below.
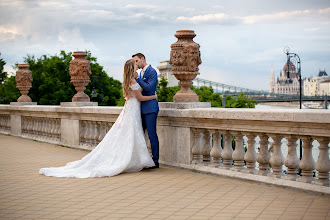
(127, 76)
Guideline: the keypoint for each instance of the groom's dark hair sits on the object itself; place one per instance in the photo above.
(140, 55)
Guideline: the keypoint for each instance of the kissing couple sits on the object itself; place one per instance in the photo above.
(123, 148)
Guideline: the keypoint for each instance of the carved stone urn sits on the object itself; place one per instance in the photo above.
(24, 82)
(185, 58)
(80, 70)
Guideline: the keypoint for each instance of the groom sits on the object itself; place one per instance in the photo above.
(149, 109)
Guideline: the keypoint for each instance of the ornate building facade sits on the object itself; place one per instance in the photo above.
(286, 83)
(315, 86)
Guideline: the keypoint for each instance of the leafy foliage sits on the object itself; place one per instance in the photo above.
(240, 102)
(164, 93)
(51, 81)
(205, 94)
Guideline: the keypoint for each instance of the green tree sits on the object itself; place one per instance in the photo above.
(51, 81)
(8, 90)
(164, 93)
(206, 94)
(240, 102)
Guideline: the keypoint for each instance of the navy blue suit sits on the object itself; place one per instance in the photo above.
(150, 109)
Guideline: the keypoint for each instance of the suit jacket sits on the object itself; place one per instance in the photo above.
(149, 84)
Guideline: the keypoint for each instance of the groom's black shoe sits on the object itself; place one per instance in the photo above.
(153, 167)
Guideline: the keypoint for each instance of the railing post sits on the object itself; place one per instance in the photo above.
(70, 132)
(323, 164)
(292, 160)
(277, 159)
(227, 153)
(239, 152)
(250, 155)
(196, 149)
(307, 164)
(216, 148)
(263, 155)
(206, 147)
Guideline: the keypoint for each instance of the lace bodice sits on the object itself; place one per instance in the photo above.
(135, 87)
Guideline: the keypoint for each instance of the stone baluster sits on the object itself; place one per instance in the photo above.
(109, 125)
(239, 152)
(43, 128)
(292, 160)
(50, 128)
(250, 155)
(89, 139)
(29, 126)
(307, 163)
(323, 164)
(23, 122)
(227, 152)
(53, 130)
(263, 156)
(35, 127)
(47, 129)
(82, 129)
(102, 131)
(206, 147)
(97, 133)
(277, 159)
(38, 127)
(216, 148)
(196, 149)
(87, 132)
(58, 129)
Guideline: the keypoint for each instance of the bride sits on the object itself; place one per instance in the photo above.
(123, 149)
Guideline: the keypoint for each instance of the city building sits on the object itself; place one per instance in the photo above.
(165, 71)
(287, 82)
(312, 85)
(325, 87)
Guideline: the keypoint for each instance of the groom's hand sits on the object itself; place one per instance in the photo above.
(136, 75)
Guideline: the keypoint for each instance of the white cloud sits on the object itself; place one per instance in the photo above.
(208, 18)
(324, 11)
(273, 17)
(312, 29)
(131, 6)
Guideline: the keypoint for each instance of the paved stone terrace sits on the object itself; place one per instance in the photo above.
(165, 193)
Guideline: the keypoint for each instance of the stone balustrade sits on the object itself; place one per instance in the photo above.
(240, 143)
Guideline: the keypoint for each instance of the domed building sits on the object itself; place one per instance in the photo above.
(287, 83)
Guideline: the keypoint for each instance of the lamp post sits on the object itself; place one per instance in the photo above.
(94, 93)
(293, 58)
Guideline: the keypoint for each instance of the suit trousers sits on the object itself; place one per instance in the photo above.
(149, 122)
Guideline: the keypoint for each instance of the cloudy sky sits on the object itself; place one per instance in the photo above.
(240, 39)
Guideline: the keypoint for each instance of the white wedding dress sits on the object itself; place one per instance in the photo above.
(123, 149)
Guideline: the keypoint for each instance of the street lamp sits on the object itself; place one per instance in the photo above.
(94, 93)
(293, 59)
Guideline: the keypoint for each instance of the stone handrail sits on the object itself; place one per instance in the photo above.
(200, 139)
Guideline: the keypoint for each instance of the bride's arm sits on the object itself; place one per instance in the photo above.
(139, 95)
